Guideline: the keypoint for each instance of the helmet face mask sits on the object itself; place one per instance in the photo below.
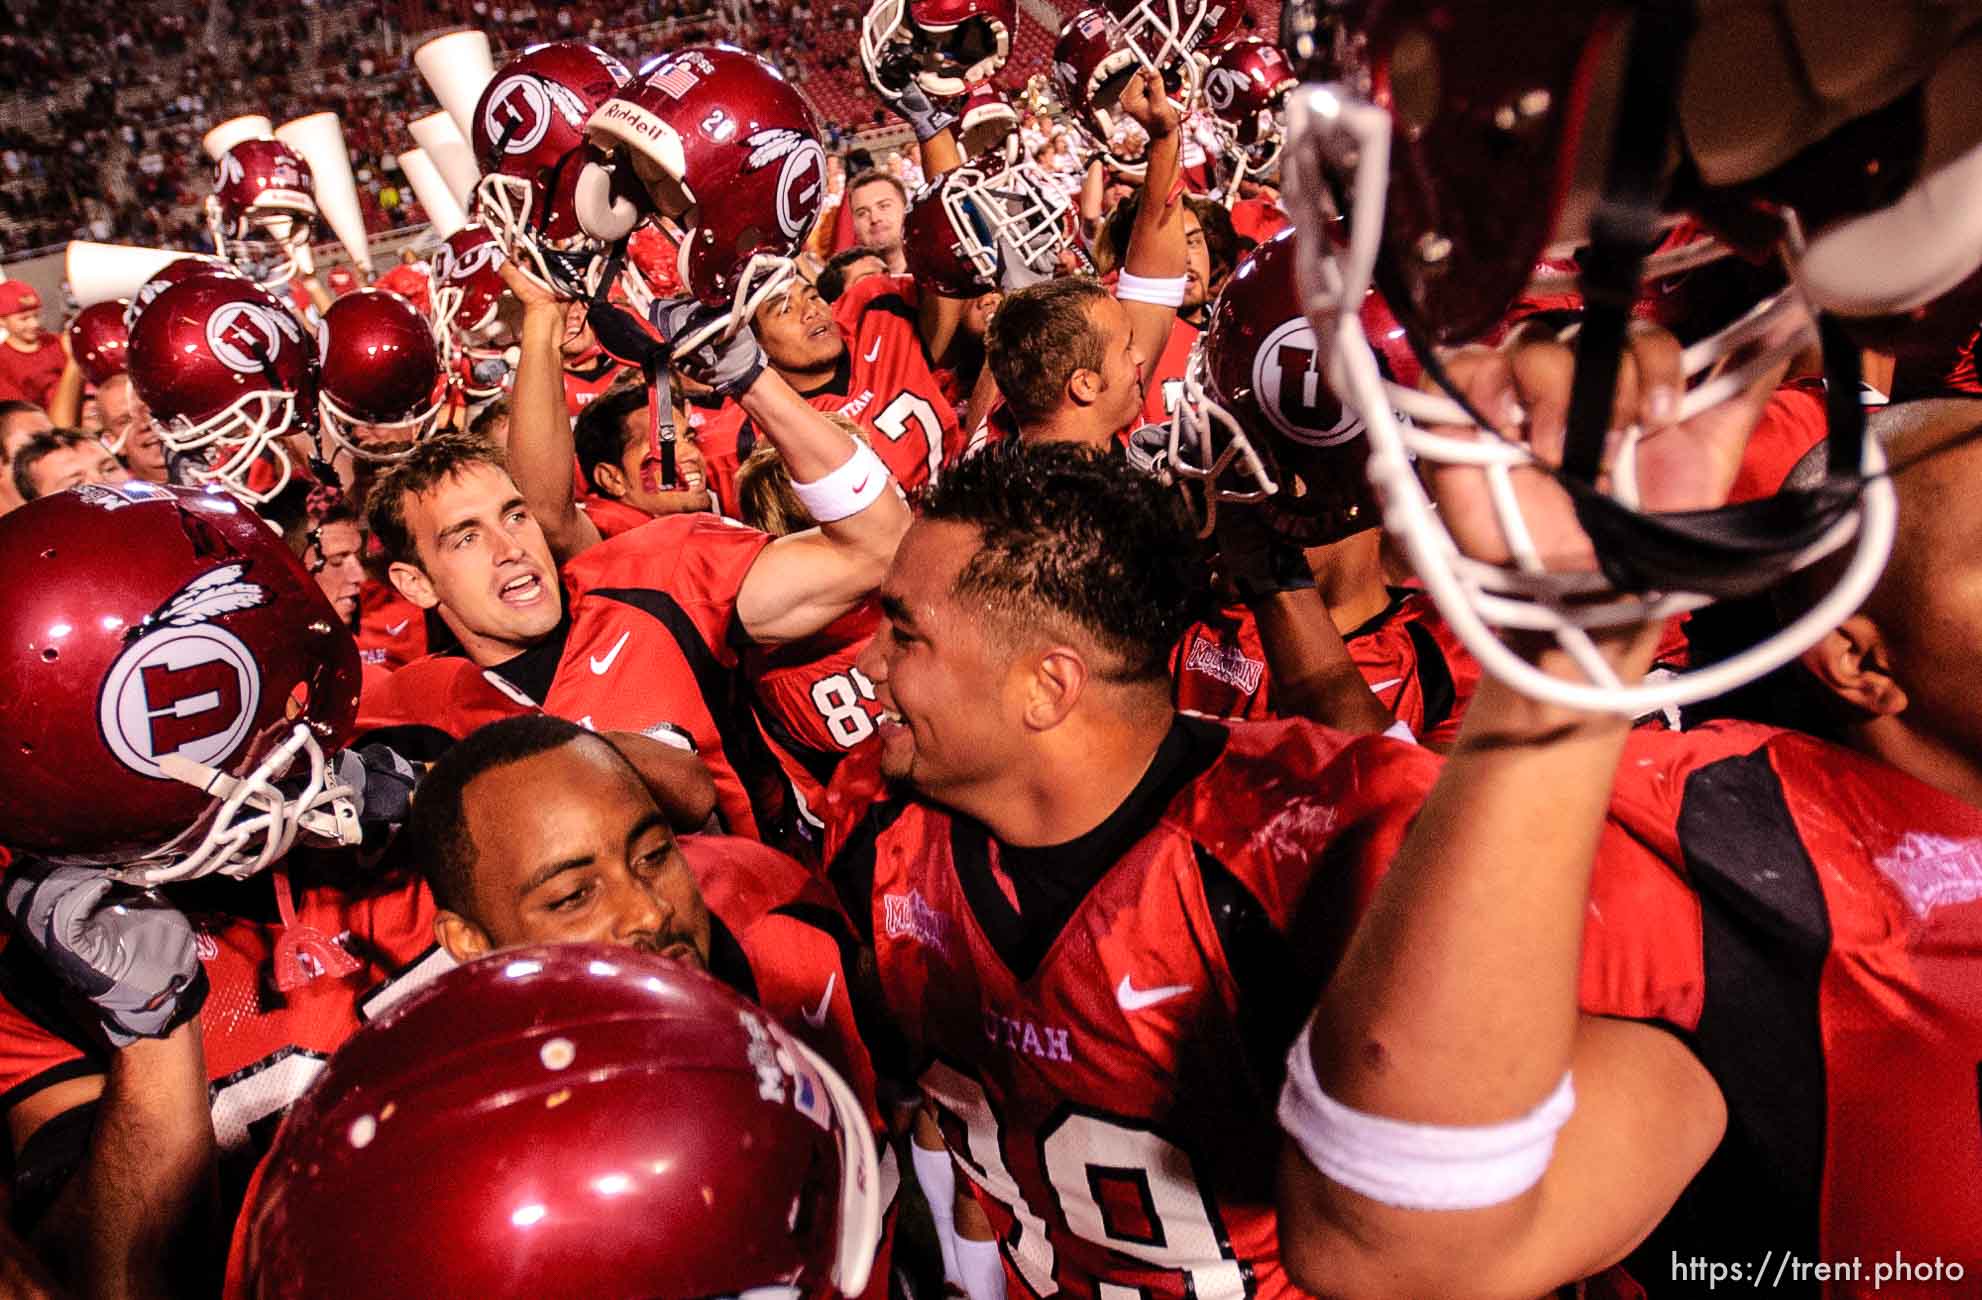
(1450, 281)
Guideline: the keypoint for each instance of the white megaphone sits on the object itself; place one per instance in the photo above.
(102, 272)
(234, 130)
(320, 139)
(450, 154)
(443, 213)
(458, 67)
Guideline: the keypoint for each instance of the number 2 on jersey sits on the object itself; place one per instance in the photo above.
(1087, 1157)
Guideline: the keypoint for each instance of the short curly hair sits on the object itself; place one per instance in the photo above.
(1072, 535)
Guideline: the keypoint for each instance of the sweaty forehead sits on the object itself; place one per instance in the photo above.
(931, 555)
(516, 828)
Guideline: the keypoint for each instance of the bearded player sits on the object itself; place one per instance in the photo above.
(1093, 918)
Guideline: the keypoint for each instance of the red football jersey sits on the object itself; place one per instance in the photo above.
(1410, 656)
(262, 1047)
(647, 645)
(612, 517)
(1809, 920)
(31, 376)
(1104, 1024)
(909, 415)
(595, 373)
(812, 703)
(392, 630)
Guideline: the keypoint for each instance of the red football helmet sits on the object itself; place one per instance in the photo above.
(467, 277)
(571, 1120)
(186, 268)
(98, 340)
(1257, 423)
(729, 155)
(1246, 90)
(962, 226)
(987, 121)
(227, 370)
(1091, 66)
(1176, 37)
(538, 177)
(378, 368)
(951, 42)
(1469, 143)
(170, 664)
(262, 209)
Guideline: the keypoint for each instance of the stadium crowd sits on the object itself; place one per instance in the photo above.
(1327, 655)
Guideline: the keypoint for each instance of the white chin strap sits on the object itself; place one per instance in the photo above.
(1326, 122)
(255, 823)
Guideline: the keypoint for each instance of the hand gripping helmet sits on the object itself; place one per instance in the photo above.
(950, 43)
(174, 682)
(572, 1120)
(1175, 37)
(1246, 90)
(728, 154)
(186, 268)
(962, 226)
(1468, 143)
(227, 371)
(1091, 65)
(529, 138)
(1257, 423)
(262, 209)
(378, 368)
(99, 339)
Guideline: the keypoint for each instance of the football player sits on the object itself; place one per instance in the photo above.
(639, 633)
(1094, 918)
(599, 863)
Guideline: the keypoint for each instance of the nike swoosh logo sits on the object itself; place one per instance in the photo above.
(1130, 998)
(816, 1016)
(398, 627)
(599, 665)
(1385, 685)
(872, 352)
(861, 486)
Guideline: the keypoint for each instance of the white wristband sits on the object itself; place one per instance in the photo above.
(1157, 293)
(1419, 1166)
(848, 490)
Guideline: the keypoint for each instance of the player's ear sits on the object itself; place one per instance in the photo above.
(1854, 663)
(1058, 678)
(410, 581)
(463, 939)
(1084, 385)
(612, 482)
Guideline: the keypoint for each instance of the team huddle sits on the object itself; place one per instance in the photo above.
(1369, 693)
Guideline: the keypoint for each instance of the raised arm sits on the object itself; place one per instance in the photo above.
(541, 451)
(1156, 250)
